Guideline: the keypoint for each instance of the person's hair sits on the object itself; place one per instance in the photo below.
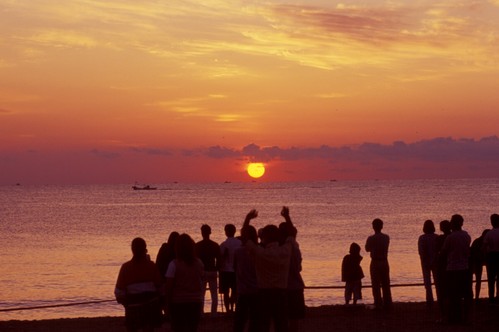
(456, 222)
(173, 237)
(445, 226)
(185, 249)
(205, 229)
(139, 247)
(249, 233)
(270, 233)
(377, 224)
(494, 220)
(230, 230)
(428, 227)
(354, 249)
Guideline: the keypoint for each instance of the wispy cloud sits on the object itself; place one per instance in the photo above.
(105, 154)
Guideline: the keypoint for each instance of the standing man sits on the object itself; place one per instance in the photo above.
(227, 271)
(208, 251)
(377, 244)
(459, 279)
(491, 246)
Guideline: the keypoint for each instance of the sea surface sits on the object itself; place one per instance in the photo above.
(65, 244)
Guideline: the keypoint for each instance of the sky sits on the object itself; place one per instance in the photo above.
(125, 91)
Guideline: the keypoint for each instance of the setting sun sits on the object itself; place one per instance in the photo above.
(256, 170)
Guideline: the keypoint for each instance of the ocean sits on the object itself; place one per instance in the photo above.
(65, 244)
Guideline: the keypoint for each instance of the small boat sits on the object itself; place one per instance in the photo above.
(147, 187)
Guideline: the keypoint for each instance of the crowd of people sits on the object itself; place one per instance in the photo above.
(452, 260)
(258, 275)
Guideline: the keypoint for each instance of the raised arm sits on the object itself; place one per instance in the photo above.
(251, 215)
(285, 214)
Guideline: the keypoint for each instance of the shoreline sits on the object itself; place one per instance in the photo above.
(404, 317)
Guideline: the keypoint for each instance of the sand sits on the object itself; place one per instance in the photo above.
(406, 317)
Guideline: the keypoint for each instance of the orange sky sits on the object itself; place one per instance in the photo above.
(156, 91)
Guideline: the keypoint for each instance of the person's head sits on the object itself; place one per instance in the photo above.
(139, 248)
(185, 248)
(377, 225)
(173, 237)
(230, 230)
(270, 233)
(456, 222)
(494, 220)
(428, 227)
(485, 231)
(286, 230)
(205, 231)
(354, 249)
(445, 226)
(249, 233)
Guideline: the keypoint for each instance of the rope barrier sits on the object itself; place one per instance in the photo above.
(48, 306)
(55, 305)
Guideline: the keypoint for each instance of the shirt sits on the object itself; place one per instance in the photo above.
(377, 244)
(457, 250)
(245, 272)
(227, 249)
(208, 252)
(271, 264)
(137, 276)
(491, 240)
(188, 281)
(427, 248)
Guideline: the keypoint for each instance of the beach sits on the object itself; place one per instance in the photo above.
(407, 317)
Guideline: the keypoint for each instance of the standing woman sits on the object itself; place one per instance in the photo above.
(427, 248)
(184, 287)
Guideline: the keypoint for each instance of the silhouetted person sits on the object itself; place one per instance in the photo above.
(138, 290)
(209, 252)
(491, 247)
(457, 250)
(246, 312)
(166, 253)
(227, 272)
(352, 274)
(184, 286)
(296, 286)
(272, 262)
(477, 261)
(440, 271)
(377, 244)
(427, 249)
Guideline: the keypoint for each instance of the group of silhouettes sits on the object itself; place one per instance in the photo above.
(452, 259)
(258, 275)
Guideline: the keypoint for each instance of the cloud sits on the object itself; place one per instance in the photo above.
(150, 151)
(105, 154)
(436, 150)
(375, 24)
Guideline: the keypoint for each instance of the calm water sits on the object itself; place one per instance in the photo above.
(65, 244)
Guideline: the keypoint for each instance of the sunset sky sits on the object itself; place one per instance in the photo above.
(95, 91)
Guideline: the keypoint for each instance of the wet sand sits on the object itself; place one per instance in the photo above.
(404, 317)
